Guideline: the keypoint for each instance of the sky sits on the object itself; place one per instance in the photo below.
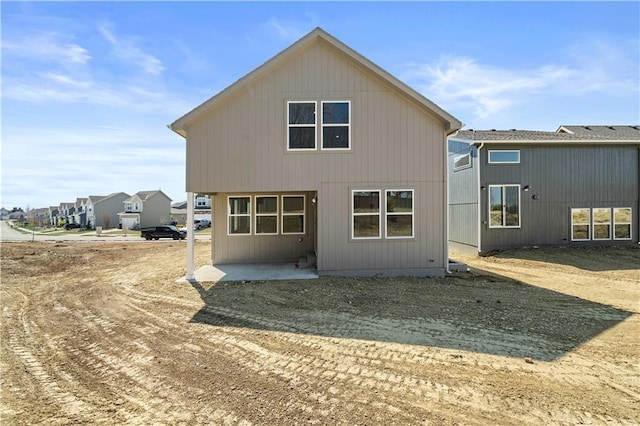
(88, 88)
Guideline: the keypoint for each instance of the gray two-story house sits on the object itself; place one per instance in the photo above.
(321, 151)
(577, 186)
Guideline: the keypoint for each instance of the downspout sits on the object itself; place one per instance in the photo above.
(190, 276)
(479, 222)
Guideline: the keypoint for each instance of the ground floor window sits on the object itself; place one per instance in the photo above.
(504, 206)
(239, 215)
(268, 215)
(367, 214)
(600, 223)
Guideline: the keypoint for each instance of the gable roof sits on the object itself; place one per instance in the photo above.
(630, 135)
(179, 126)
(603, 132)
(145, 195)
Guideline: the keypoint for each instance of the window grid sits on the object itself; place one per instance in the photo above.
(399, 214)
(261, 218)
(372, 214)
(291, 125)
(292, 214)
(325, 125)
(622, 223)
(580, 224)
(601, 223)
(237, 220)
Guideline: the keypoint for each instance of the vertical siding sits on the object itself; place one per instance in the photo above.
(155, 211)
(463, 195)
(241, 147)
(562, 177)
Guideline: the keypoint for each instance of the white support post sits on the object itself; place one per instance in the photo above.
(190, 237)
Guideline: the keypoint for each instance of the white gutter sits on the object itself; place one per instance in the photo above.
(190, 275)
(479, 201)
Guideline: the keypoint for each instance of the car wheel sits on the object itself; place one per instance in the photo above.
(157, 238)
(148, 237)
(175, 237)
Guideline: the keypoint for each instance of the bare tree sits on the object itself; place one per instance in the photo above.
(106, 219)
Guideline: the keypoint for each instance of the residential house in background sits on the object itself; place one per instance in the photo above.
(202, 207)
(52, 214)
(39, 216)
(65, 213)
(102, 210)
(319, 151)
(577, 186)
(17, 214)
(80, 212)
(145, 209)
(4, 214)
(179, 212)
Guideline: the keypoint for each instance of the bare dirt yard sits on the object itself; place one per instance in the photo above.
(100, 333)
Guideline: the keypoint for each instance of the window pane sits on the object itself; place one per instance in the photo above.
(302, 113)
(293, 224)
(266, 205)
(335, 137)
(239, 224)
(601, 232)
(366, 201)
(266, 224)
(399, 225)
(512, 206)
(399, 201)
(622, 215)
(623, 231)
(462, 162)
(293, 204)
(302, 137)
(580, 232)
(601, 216)
(239, 205)
(367, 226)
(335, 112)
(504, 156)
(580, 215)
(495, 196)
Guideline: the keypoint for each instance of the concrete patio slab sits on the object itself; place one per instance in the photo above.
(252, 272)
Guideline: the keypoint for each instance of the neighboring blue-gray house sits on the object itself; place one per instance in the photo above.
(577, 186)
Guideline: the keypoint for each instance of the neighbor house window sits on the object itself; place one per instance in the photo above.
(580, 224)
(239, 215)
(266, 215)
(336, 119)
(301, 118)
(366, 214)
(601, 224)
(399, 214)
(462, 162)
(504, 206)
(293, 214)
(622, 223)
(504, 156)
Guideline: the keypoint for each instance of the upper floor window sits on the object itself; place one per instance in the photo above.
(336, 124)
(202, 201)
(504, 156)
(462, 162)
(301, 119)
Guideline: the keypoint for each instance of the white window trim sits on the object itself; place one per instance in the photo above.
(315, 126)
(466, 166)
(354, 214)
(581, 223)
(503, 162)
(630, 223)
(304, 214)
(593, 224)
(257, 215)
(411, 213)
(323, 125)
(503, 186)
(229, 216)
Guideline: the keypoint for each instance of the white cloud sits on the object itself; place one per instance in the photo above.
(285, 31)
(47, 47)
(128, 50)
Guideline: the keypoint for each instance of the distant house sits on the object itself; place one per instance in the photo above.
(52, 214)
(39, 216)
(17, 214)
(577, 186)
(179, 212)
(103, 209)
(145, 209)
(4, 214)
(80, 212)
(65, 213)
(320, 152)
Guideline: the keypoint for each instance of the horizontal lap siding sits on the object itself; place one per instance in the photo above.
(563, 177)
(241, 147)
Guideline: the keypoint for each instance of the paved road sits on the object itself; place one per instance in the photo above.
(9, 234)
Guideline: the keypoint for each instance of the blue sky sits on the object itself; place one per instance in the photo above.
(89, 88)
